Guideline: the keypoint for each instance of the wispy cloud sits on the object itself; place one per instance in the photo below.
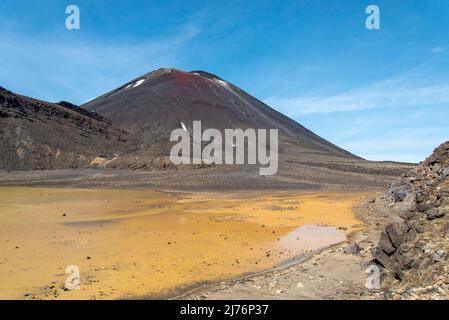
(437, 49)
(407, 145)
(78, 70)
(383, 95)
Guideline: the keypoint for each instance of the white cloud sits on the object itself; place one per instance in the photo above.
(57, 67)
(437, 49)
(386, 94)
(407, 145)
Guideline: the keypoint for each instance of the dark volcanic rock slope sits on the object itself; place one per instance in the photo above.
(158, 102)
(36, 135)
(414, 250)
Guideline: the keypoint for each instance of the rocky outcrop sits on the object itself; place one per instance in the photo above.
(414, 249)
(394, 250)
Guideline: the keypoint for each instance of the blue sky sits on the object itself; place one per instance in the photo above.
(381, 94)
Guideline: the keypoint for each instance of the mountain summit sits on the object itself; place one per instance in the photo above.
(153, 105)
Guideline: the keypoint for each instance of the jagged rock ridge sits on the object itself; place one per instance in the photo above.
(37, 135)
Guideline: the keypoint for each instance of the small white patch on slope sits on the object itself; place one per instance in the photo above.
(138, 83)
(184, 127)
(221, 82)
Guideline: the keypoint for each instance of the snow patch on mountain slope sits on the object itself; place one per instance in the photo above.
(221, 82)
(138, 83)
